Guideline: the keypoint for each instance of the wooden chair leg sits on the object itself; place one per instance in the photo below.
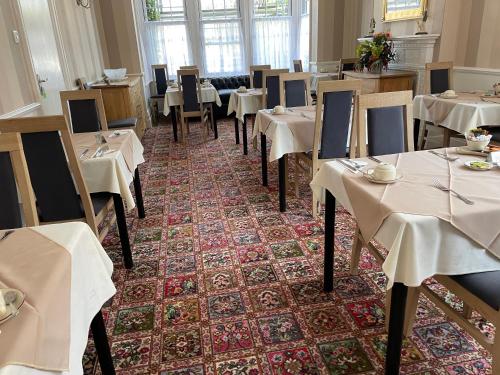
(446, 137)
(410, 310)
(422, 135)
(315, 202)
(357, 245)
(297, 177)
(467, 311)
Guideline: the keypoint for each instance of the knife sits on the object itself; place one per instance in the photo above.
(84, 153)
(347, 165)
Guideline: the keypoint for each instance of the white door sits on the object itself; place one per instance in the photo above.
(42, 43)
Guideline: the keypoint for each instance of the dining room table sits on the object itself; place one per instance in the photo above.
(244, 104)
(426, 228)
(173, 99)
(466, 111)
(290, 132)
(317, 77)
(62, 276)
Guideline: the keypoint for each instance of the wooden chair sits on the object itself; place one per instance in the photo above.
(192, 103)
(188, 67)
(378, 115)
(438, 79)
(256, 77)
(347, 64)
(159, 87)
(271, 87)
(335, 123)
(295, 89)
(297, 66)
(84, 110)
(57, 181)
(14, 177)
(82, 83)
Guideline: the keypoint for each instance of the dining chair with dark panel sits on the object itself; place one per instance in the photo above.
(347, 64)
(84, 110)
(188, 67)
(57, 180)
(334, 126)
(14, 178)
(159, 87)
(297, 66)
(295, 89)
(271, 87)
(192, 104)
(256, 77)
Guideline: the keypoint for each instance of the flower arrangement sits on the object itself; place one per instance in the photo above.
(478, 135)
(375, 54)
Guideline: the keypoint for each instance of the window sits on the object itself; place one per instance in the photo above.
(272, 42)
(168, 40)
(222, 37)
(304, 33)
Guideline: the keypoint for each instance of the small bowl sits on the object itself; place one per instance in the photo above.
(477, 145)
(242, 89)
(115, 74)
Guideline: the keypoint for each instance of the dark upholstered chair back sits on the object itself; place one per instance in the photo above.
(161, 80)
(190, 93)
(84, 115)
(297, 66)
(386, 130)
(439, 81)
(273, 91)
(295, 93)
(337, 108)
(347, 64)
(10, 209)
(257, 79)
(51, 178)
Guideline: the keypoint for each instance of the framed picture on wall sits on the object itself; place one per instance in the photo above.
(398, 10)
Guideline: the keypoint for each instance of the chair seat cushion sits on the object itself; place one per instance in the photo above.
(99, 201)
(123, 123)
(484, 285)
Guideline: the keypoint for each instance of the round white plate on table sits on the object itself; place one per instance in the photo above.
(13, 300)
(369, 176)
(478, 165)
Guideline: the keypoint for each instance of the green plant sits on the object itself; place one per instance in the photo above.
(153, 10)
(375, 54)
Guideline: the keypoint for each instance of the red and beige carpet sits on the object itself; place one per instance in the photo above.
(225, 284)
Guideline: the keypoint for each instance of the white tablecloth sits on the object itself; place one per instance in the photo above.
(110, 173)
(419, 246)
(316, 77)
(245, 103)
(290, 132)
(91, 287)
(451, 114)
(173, 97)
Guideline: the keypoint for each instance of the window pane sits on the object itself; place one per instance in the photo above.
(223, 47)
(271, 42)
(304, 41)
(219, 9)
(271, 8)
(166, 10)
(169, 44)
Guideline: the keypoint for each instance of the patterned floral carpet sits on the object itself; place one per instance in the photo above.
(225, 284)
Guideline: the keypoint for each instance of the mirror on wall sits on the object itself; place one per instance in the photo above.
(397, 10)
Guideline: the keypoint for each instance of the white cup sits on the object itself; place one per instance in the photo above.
(242, 89)
(279, 109)
(384, 172)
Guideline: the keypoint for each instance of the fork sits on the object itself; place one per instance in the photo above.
(440, 186)
(446, 157)
(6, 234)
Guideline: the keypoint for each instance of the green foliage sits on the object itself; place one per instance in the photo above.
(153, 10)
(375, 54)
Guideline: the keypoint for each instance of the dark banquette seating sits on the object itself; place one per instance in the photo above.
(224, 86)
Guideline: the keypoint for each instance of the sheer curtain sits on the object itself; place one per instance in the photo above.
(272, 41)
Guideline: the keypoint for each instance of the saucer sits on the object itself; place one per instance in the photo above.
(448, 96)
(478, 165)
(278, 113)
(12, 297)
(369, 177)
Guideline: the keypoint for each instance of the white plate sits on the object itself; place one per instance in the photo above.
(448, 96)
(14, 299)
(369, 177)
(468, 165)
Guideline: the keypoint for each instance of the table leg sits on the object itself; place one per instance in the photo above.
(173, 116)
(236, 130)
(138, 194)
(216, 132)
(123, 231)
(263, 158)
(329, 250)
(416, 133)
(282, 182)
(396, 326)
(98, 329)
(245, 140)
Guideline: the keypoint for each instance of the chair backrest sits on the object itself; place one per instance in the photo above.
(271, 87)
(297, 66)
(256, 75)
(54, 168)
(385, 122)
(14, 177)
(82, 83)
(438, 77)
(160, 75)
(84, 110)
(190, 89)
(295, 89)
(334, 111)
(347, 64)
(188, 67)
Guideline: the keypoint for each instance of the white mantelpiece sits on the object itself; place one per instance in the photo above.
(412, 53)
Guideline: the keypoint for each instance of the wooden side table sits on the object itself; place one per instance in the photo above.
(390, 80)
